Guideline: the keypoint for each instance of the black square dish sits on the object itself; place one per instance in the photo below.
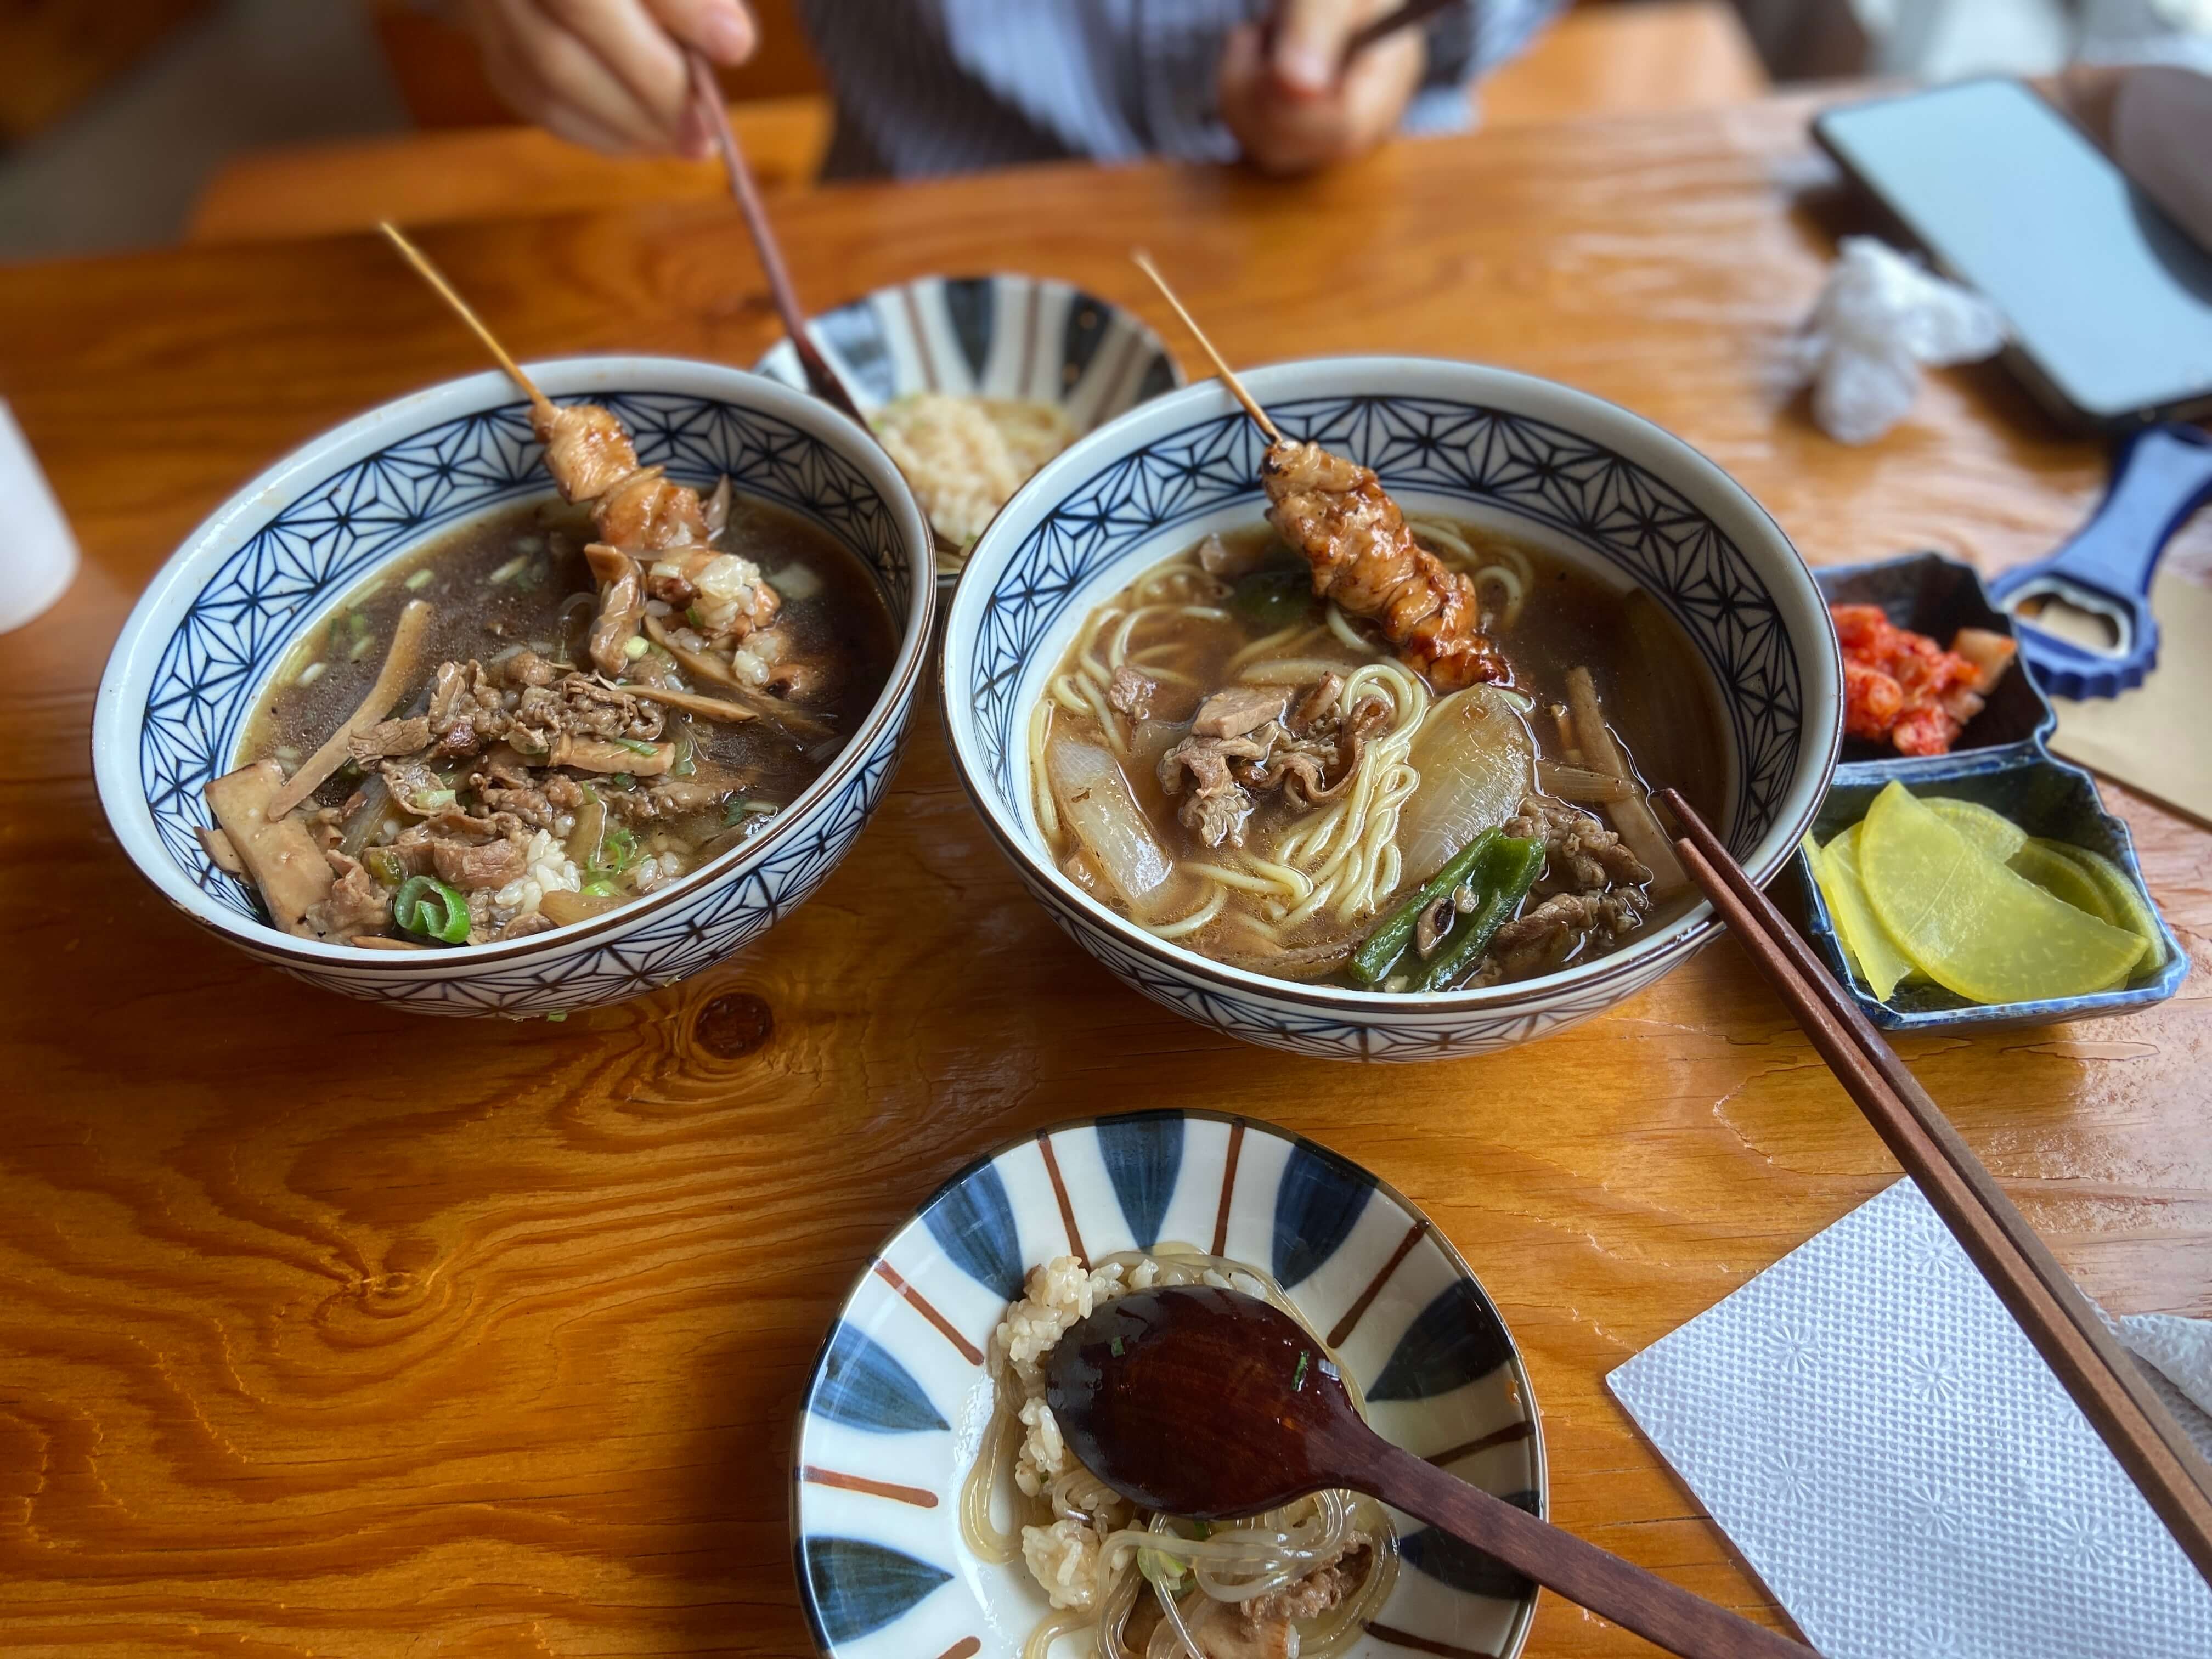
(1936, 596)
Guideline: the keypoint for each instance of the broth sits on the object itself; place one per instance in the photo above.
(1342, 781)
(502, 779)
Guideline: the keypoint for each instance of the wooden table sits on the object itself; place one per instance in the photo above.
(325, 1329)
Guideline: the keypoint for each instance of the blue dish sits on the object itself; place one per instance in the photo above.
(899, 1399)
(1999, 761)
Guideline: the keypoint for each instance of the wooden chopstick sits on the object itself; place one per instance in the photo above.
(706, 96)
(2105, 1382)
(1412, 12)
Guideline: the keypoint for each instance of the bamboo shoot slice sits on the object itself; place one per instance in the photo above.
(1874, 954)
(1992, 831)
(1973, 926)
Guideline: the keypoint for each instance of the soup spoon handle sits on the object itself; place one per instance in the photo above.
(1659, 1612)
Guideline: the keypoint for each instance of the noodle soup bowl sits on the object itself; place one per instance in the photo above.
(897, 1414)
(226, 610)
(1625, 502)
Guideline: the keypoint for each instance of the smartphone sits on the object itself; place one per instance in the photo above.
(2110, 303)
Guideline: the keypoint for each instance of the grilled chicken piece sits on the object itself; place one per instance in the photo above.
(586, 450)
(1363, 557)
(645, 513)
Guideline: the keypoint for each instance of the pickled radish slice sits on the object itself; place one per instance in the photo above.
(1993, 832)
(1973, 926)
(2125, 903)
(2060, 876)
(1875, 956)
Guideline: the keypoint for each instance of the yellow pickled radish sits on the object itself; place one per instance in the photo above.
(1973, 926)
(1875, 956)
(2060, 876)
(1992, 831)
(2125, 903)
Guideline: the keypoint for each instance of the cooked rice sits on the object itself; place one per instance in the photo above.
(965, 457)
(1066, 1557)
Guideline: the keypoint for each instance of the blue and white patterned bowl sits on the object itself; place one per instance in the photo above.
(221, 614)
(899, 1399)
(1556, 467)
(1003, 336)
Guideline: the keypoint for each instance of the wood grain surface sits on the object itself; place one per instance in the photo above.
(327, 1330)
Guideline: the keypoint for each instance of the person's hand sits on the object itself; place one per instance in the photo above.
(609, 74)
(1285, 104)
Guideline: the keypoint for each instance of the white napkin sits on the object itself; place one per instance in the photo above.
(1880, 316)
(1876, 1436)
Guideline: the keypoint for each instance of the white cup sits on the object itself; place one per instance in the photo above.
(38, 555)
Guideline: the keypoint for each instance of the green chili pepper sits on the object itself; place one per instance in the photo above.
(1372, 961)
(1508, 869)
(427, 906)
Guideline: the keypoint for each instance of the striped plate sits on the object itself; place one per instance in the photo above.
(898, 1400)
(1003, 336)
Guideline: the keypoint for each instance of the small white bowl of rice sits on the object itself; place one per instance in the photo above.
(974, 383)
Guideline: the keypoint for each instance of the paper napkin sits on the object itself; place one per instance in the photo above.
(1876, 1436)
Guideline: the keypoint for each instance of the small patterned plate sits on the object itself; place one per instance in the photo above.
(899, 1400)
(1003, 336)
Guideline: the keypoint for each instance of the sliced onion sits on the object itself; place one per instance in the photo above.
(1097, 805)
(1477, 761)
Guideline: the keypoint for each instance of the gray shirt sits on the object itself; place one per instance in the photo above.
(951, 86)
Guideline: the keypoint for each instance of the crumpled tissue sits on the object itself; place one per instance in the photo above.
(1879, 317)
(1893, 1457)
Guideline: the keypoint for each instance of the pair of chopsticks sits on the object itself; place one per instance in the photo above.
(2112, 1394)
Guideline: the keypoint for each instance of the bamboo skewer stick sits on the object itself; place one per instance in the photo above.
(1144, 262)
(445, 290)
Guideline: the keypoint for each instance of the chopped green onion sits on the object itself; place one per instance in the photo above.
(599, 887)
(312, 672)
(1116, 1345)
(511, 569)
(1161, 1570)
(426, 906)
(1298, 1376)
(361, 648)
(691, 615)
(638, 745)
(418, 581)
(557, 1017)
(385, 866)
(636, 646)
(621, 780)
(434, 800)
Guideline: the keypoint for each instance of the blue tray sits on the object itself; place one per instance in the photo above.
(2001, 761)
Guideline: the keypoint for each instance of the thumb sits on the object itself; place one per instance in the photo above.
(1309, 41)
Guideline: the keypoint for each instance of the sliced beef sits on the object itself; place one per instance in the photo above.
(468, 712)
(1237, 710)
(622, 606)
(1583, 855)
(357, 903)
(372, 743)
(1132, 693)
(471, 866)
(1316, 1593)
(534, 921)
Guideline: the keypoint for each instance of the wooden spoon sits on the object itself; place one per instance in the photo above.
(1211, 1404)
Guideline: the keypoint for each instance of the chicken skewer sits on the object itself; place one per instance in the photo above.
(654, 534)
(1336, 513)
